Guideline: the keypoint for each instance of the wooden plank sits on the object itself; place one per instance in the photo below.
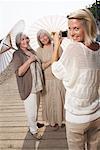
(13, 109)
(9, 119)
(34, 144)
(13, 129)
(21, 135)
(7, 124)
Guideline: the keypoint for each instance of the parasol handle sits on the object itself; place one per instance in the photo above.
(7, 48)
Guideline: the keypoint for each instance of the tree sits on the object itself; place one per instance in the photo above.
(92, 8)
(95, 9)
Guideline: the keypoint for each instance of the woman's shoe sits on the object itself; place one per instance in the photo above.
(55, 127)
(36, 135)
(40, 125)
(62, 125)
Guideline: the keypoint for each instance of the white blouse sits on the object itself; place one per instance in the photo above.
(79, 69)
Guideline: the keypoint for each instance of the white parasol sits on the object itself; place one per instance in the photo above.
(51, 24)
(7, 45)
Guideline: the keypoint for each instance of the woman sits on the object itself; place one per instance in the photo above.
(53, 97)
(79, 69)
(28, 71)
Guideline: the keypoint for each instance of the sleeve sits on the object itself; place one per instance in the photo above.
(66, 68)
(16, 62)
(38, 52)
(58, 70)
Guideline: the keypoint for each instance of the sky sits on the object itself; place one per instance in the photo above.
(11, 11)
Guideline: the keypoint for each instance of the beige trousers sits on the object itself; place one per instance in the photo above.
(30, 105)
(84, 136)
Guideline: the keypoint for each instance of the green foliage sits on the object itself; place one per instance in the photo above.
(95, 9)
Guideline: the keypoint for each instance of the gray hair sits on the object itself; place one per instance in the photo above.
(18, 39)
(88, 22)
(42, 31)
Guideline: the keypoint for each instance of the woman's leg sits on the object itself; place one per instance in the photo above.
(30, 105)
(76, 136)
(93, 135)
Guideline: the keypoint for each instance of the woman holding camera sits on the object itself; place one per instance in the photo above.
(79, 69)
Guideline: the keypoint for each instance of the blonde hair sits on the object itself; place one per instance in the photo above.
(88, 22)
(42, 31)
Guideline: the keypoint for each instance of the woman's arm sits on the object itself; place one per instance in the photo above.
(56, 54)
(57, 41)
(46, 64)
(23, 68)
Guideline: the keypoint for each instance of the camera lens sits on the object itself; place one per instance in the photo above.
(64, 33)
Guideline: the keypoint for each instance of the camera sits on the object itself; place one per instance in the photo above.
(63, 33)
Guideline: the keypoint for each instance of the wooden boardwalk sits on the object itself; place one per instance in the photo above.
(14, 133)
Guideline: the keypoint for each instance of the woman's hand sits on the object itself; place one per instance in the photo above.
(46, 64)
(57, 40)
(31, 57)
(22, 69)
